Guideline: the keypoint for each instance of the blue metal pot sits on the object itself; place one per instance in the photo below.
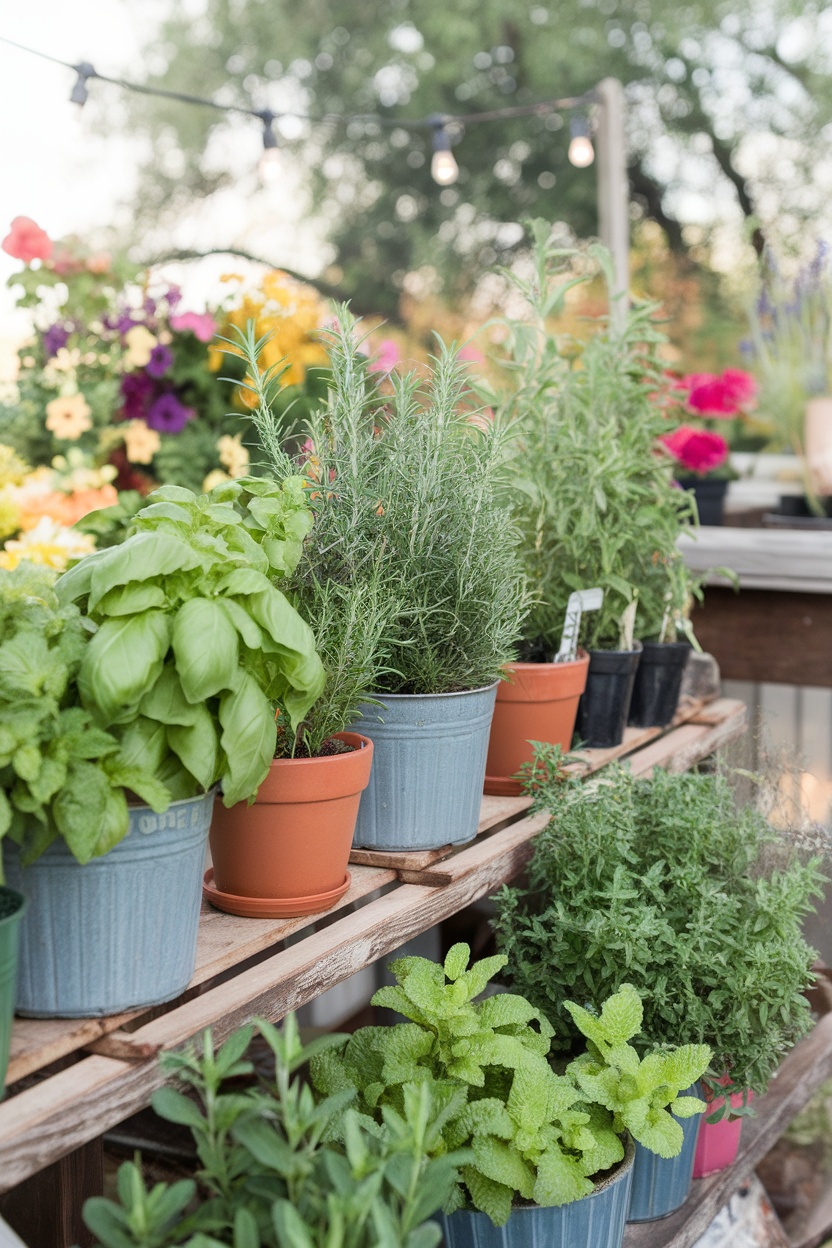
(597, 1221)
(120, 932)
(661, 1184)
(428, 772)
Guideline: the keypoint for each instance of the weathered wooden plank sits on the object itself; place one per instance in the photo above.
(768, 635)
(711, 712)
(43, 1123)
(495, 812)
(689, 744)
(225, 940)
(801, 1074)
(473, 859)
(46, 1210)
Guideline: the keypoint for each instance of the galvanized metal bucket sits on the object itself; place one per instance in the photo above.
(597, 1221)
(12, 907)
(120, 932)
(429, 757)
(662, 1184)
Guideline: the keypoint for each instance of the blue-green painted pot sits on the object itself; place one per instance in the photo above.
(661, 1184)
(12, 907)
(429, 755)
(597, 1221)
(120, 932)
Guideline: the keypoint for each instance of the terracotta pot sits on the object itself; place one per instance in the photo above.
(287, 853)
(717, 1143)
(538, 702)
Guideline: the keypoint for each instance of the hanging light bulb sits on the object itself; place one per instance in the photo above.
(581, 151)
(270, 165)
(79, 91)
(443, 166)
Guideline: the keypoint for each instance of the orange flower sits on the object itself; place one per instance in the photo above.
(140, 442)
(68, 417)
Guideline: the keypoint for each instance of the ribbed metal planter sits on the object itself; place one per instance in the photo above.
(429, 757)
(12, 906)
(121, 931)
(597, 1221)
(662, 1184)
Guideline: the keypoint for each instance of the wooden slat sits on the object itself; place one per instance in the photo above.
(224, 941)
(45, 1122)
(801, 1074)
(516, 838)
(689, 744)
(495, 812)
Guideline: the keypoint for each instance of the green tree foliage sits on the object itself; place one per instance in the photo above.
(703, 79)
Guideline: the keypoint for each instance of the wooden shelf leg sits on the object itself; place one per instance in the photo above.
(45, 1210)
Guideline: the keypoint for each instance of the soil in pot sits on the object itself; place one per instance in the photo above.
(597, 1221)
(718, 1142)
(537, 702)
(662, 1184)
(120, 932)
(710, 497)
(287, 853)
(12, 906)
(425, 790)
(658, 683)
(605, 704)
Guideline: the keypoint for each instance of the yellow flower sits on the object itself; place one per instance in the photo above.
(68, 417)
(12, 467)
(140, 442)
(233, 455)
(9, 512)
(48, 543)
(217, 477)
(140, 343)
(66, 361)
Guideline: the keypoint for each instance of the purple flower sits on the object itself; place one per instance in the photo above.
(126, 322)
(136, 389)
(173, 297)
(54, 338)
(150, 306)
(167, 414)
(161, 358)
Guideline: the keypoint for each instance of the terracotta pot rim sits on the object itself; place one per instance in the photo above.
(376, 696)
(349, 738)
(582, 660)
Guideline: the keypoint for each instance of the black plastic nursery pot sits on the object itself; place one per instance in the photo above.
(658, 683)
(12, 906)
(710, 497)
(605, 704)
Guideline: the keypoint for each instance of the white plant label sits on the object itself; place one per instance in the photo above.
(582, 600)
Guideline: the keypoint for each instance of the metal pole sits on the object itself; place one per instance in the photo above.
(613, 188)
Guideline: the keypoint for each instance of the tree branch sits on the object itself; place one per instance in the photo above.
(653, 195)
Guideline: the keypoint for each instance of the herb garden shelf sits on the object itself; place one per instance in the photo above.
(69, 1081)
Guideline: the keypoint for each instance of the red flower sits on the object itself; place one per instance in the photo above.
(27, 241)
(742, 384)
(697, 450)
(721, 396)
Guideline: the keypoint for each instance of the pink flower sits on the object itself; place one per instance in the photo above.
(26, 241)
(697, 450)
(201, 324)
(742, 384)
(386, 358)
(723, 396)
(471, 355)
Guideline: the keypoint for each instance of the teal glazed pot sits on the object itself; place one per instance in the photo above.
(12, 906)
(120, 932)
(429, 755)
(597, 1221)
(661, 1184)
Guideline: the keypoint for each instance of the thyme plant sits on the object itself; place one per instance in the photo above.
(667, 885)
(596, 502)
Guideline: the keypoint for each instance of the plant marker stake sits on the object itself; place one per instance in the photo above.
(582, 600)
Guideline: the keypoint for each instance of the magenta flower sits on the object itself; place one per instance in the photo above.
(167, 415)
(201, 324)
(161, 358)
(721, 396)
(697, 450)
(136, 389)
(386, 358)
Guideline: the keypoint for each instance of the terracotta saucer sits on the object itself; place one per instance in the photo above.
(501, 786)
(271, 907)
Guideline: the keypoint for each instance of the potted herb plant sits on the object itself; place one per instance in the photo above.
(269, 1159)
(672, 886)
(549, 1160)
(667, 638)
(410, 496)
(164, 687)
(596, 504)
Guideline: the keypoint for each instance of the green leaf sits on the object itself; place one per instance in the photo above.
(303, 676)
(166, 702)
(687, 1106)
(621, 1015)
(80, 807)
(660, 1133)
(197, 747)
(206, 648)
(248, 740)
(135, 779)
(456, 961)
(143, 557)
(491, 1197)
(174, 1107)
(499, 1161)
(130, 599)
(122, 662)
(560, 1179)
(250, 632)
(143, 743)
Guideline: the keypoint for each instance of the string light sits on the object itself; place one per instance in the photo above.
(79, 91)
(270, 165)
(443, 166)
(581, 151)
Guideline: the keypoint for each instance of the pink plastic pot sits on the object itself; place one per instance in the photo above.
(717, 1143)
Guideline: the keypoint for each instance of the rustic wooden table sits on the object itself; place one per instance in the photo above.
(71, 1080)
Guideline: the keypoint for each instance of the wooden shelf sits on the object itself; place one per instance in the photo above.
(71, 1080)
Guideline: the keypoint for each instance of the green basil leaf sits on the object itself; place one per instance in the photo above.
(248, 739)
(143, 557)
(166, 702)
(197, 747)
(293, 639)
(144, 742)
(130, 599)
(250, 632)
(206, 648)
(122, 663)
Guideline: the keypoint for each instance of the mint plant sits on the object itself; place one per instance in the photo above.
(269, 1175)
(666, 884)
(534, 1134)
